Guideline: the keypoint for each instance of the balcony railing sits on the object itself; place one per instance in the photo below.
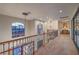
(24, 46)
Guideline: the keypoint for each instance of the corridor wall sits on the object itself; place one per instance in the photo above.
(5, 27)
(39, 29)
(46, 25)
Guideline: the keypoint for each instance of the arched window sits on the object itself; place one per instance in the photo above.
(18, 29)
(39, 28)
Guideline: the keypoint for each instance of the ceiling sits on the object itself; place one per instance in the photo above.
(39, 10)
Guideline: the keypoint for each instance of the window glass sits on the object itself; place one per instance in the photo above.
(18, 30)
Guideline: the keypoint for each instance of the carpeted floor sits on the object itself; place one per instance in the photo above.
(61, 45)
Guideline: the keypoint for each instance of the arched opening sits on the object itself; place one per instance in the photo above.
(39, 28)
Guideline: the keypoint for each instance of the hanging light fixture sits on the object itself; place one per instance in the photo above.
(25, 15)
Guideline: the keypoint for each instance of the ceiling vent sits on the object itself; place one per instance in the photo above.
(65, 17)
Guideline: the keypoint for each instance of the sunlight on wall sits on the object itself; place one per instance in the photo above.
(50, 24)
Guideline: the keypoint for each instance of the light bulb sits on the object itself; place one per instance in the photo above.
(60, 11)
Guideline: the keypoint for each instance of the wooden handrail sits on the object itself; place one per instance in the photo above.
(20, 38)
(15, 40)
(23, 41)
(16, 47)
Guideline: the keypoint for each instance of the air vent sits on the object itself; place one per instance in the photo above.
(64, 17)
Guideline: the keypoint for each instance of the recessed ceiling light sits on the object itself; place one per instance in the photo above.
(60, 11)
(47, 17)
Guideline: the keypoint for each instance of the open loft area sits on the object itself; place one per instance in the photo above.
(39, 28)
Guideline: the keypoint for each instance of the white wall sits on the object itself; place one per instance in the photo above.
(30, 27)
(53, 25)
(5, 27)
(38, 37)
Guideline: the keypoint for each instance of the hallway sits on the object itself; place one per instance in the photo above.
(39, 29)
(61, 45)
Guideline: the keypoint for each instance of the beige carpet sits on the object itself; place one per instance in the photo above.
(61, 45)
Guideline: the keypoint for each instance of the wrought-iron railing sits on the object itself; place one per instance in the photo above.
(17, 46)
(24, 46)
